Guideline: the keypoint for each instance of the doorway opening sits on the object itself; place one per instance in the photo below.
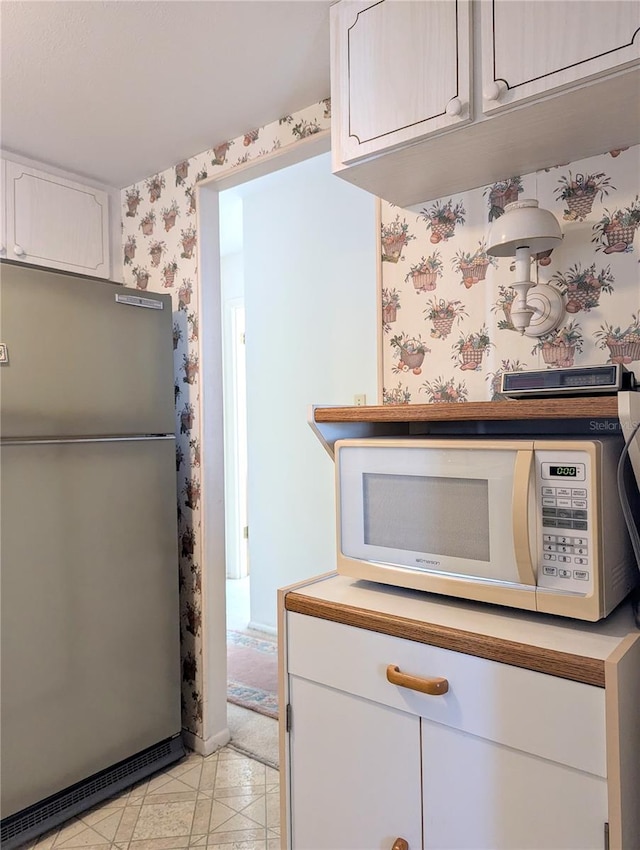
(309, 272)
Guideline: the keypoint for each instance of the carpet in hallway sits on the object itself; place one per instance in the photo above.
(252, 672)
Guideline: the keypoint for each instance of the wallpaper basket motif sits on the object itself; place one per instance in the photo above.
(475, 293)
(165, 203)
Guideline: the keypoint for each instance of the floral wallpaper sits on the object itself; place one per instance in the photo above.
(446, 329)
(159, 240)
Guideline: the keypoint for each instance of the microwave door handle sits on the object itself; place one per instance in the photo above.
(520, 516)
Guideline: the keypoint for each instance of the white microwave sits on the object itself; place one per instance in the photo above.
(531, 524)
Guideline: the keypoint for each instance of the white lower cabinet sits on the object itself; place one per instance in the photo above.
(506, 759)
(478, 794)
(355, 772)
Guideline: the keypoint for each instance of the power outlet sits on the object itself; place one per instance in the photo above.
(360, 400)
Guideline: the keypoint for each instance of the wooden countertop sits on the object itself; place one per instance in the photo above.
(582, 407)
(557, 646)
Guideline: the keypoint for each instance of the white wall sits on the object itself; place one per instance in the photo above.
(310, 299)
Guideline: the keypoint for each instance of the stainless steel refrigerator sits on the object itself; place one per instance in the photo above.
(90, 675)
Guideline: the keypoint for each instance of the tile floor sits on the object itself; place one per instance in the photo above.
(226, 801)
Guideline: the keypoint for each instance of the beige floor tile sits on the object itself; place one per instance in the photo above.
(175, 842)
(192, 776)
(273, 844)
(220, 815)
(172, 786)
(242, 845)
(208, 775)
(238, 802)
(85, 837)
(240, 772)
(108, 826)
(273, 810)
(101, 811)
(241, 838)
(272, 777)
(164, 820)
(127, 824)
(257, 811)
(160, 796)
(202, 817)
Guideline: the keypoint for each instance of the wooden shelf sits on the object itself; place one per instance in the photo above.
(583, 407)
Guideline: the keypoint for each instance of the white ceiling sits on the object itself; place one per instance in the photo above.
(117, 90)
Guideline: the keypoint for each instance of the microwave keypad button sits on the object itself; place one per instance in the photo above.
(549, 538)
(550, 571)
(548, 491)
(578, 503)
(563, 503)
(564, 573)
(565, 540)
(580, 524)
(550, 547)
(563, 491)
(549, 557)
(579, 493)
(567, 549)
(581, 575)
(583, 562)
(549, 522)
(565, 513)
(547, 501)
(549, 511)
(581, 550)
(580, 541)
(579, 514)
(564, 559)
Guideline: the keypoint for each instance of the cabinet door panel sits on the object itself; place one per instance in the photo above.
(396, 66)
(56, 223)
(354, 772)
(485, 796)
(537, 47)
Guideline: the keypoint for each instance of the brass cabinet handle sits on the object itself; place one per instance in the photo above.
(400, 844)
(434, 686)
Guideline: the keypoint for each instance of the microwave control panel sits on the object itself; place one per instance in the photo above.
(564, 499)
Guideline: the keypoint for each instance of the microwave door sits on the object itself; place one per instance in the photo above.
(440, 507)
(523, 515)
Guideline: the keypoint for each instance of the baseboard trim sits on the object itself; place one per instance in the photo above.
(260, 627)
(205, 748)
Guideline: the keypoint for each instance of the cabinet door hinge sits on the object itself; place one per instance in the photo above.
(606, 836)
(245, 532)
(287, 718)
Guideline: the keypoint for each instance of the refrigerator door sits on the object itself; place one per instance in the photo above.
(89, 612)
(80, 362)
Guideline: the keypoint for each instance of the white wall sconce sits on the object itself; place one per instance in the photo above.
(522, 231)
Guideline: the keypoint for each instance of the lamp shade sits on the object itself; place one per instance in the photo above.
(523, 225)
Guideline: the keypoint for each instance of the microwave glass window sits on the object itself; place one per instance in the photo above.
(435, 515)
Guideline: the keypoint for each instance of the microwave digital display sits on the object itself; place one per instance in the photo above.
(564, 471)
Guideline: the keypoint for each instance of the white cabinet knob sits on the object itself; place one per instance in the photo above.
(454, 107)
(495, 90)
(19, 251)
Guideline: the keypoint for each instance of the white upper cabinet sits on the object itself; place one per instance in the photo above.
(434, 97)
(531, 49)
(400, 71)
(54, 222)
